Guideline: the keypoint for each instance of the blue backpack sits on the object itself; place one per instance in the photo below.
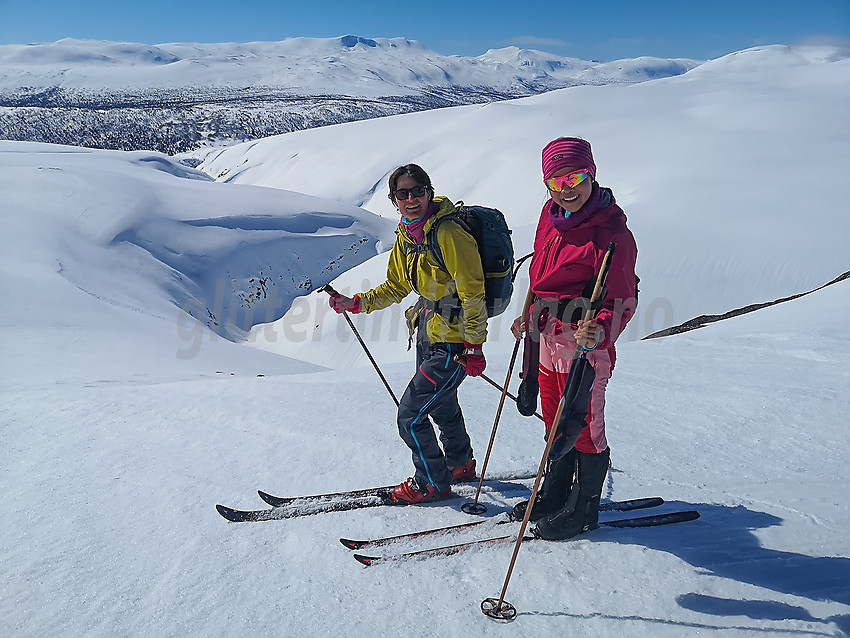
(490, 231)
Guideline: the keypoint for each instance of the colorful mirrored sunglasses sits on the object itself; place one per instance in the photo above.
(571, 180)
(404, 193)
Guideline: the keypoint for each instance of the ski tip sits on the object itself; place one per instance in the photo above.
(350, 544)
(274, 501)
(368, 561)
(237, 516)
(227, 512)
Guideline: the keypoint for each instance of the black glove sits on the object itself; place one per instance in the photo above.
(526, 396)
(587, 294)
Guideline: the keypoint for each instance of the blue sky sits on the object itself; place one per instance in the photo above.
(598, 30)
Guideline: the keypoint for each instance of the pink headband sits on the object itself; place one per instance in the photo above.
(567, 152)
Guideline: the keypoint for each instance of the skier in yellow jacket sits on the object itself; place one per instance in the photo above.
(450, 319)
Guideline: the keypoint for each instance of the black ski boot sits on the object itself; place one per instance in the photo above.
(554, 491)
(583, 515)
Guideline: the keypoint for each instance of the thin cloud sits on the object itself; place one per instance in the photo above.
(825, 39)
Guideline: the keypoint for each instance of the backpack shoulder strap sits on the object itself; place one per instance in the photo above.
(432, 242)
(411, 247)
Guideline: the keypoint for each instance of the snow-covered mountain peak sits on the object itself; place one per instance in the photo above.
(83, 52)
(337, 65)
(180, 96)
(532, 58)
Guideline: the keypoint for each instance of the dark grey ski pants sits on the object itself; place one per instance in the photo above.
(432, 392)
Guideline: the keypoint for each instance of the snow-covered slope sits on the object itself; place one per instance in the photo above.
(730, 176)
(119, 436)
(109, 486)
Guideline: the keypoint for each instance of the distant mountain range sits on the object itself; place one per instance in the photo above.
(180, 97)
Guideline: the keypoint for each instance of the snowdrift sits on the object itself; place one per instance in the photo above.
(108, 240)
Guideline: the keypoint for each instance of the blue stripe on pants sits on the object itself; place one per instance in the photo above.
(432, 392)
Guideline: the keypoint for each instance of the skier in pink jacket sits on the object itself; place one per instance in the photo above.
(576, 225)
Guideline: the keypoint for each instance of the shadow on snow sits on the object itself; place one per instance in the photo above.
(722, 543)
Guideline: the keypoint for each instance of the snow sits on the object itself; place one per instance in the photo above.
(347, 65)
(125, 420)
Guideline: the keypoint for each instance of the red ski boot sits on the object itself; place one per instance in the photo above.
(410, 492)
(465, 473)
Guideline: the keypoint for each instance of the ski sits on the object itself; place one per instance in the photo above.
(344, 501)
(308, 508)
(614, 506)
(643, 521)
(282, 501)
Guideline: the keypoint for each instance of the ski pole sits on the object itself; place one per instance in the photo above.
(475, 507)
(498, 608)
(329, 289)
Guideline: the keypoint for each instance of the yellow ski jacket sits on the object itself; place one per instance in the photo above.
(413, 267)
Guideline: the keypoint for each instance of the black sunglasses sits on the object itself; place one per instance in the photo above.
(403, 193)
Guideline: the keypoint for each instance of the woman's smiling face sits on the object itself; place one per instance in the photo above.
(411, 207)
(572, 199)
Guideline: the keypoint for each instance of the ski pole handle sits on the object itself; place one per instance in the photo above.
(589, 313)
(600, 280)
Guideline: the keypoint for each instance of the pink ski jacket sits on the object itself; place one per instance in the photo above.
(565, 261)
